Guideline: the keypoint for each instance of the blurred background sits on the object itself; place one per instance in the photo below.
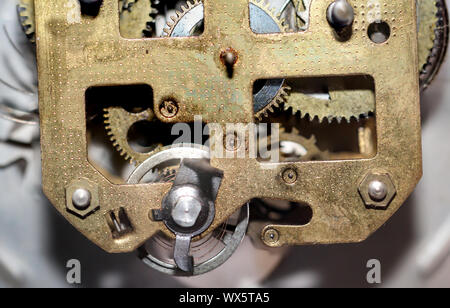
(36, 242)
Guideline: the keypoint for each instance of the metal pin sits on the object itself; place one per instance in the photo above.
(340, 14)
(81, 198)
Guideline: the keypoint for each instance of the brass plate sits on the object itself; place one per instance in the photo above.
(75, 53)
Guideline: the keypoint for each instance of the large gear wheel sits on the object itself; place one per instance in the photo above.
(118, 123)
(263, 19)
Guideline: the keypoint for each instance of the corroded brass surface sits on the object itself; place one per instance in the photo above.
(75, 53)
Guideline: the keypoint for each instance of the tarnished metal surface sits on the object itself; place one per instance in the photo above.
(75, 53)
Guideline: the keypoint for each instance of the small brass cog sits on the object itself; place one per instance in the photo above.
(276, 102)
(308, 151)
(118, 122)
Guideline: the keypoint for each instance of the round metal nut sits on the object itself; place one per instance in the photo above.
(81, 199)
(290, 176)
(271, 236)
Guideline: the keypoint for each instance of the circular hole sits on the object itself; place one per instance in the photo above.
(379, 32)
(140, 137)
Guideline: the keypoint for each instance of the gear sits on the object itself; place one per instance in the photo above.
(133, 17)
(25, 9)
(263, 19)
(294, 147)
(342, 104)
(118, 123)
(347, 104)
(433, 38)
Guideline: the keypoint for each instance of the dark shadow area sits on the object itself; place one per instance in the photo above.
(345, 265)
(98, 268)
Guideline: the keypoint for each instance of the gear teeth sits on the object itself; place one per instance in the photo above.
(310, 144)
(304, 13)
(178, 15)
(25, 9)
(342, 115)
(117, 122)
(275, 104)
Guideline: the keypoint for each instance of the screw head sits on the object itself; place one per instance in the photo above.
(290, 176)
(90, 7)
(377, 190)
(271, 236)
(168, 109)
(229, 57)
(81, 199)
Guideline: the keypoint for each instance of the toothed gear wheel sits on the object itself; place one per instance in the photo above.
(342, 104)
(118, 122)
(295, 148)
(433, 38)
(25, 9)
(133, 17)
(263, 20)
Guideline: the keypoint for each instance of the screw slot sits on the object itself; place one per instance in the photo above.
(168, 108)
